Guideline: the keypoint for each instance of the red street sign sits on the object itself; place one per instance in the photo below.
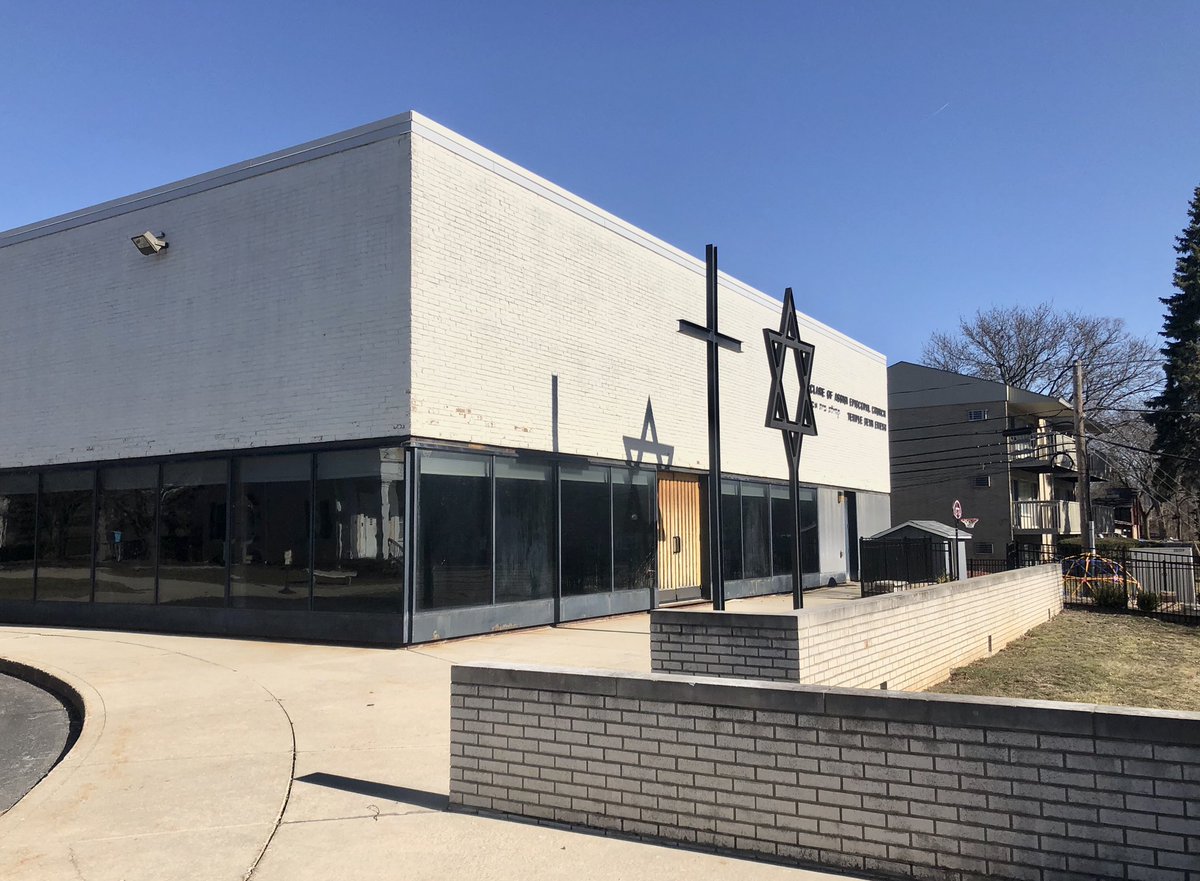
(957, 509)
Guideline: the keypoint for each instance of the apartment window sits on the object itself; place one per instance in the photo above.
(977, 415)
(983, 480)
(985, 547)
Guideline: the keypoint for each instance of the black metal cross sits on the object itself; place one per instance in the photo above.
(794, 422)
(715, 341)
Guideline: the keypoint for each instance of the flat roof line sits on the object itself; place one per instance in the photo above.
(394, 126)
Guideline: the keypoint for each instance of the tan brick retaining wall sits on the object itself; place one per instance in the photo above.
(896, 785)
(908, 640)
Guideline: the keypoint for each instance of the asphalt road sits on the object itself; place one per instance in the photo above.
(34, 727)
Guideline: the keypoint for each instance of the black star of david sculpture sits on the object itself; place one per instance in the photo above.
(794, 419)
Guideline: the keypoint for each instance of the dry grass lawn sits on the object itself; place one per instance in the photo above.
(1093, 658)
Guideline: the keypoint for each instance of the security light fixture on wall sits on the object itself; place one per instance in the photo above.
(149, 243)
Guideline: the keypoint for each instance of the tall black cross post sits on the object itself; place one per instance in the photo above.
(715, 341)
(795, 421)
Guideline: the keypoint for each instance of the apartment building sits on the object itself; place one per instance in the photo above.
(1006, 454)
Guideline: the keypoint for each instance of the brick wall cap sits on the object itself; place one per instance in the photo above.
(1057, 717)
(701, 617)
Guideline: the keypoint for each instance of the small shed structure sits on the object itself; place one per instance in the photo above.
(954, 541)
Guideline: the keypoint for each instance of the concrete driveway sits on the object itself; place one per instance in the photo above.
(234, 759)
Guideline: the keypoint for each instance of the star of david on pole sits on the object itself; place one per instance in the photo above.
(793, 419)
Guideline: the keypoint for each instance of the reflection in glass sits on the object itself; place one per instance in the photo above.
(18, 513)
(359, 542)
(64, 547)
(731, 531)
(270, 532)
(635, 547)
(810, 561)
(756, 531)
(191, 562)
(455, 527)
(524, 530)
(125, 534)
(586, 530)
(782, 521)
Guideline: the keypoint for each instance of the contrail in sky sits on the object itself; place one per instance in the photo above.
(939, 110)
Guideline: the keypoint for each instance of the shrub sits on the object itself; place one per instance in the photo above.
(1148, 601)
(1109, 595)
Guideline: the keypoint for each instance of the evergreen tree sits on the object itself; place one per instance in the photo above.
(1175, 413)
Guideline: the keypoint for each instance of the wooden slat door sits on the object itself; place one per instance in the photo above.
(678, 530)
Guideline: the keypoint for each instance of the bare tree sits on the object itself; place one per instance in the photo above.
(1035, 348)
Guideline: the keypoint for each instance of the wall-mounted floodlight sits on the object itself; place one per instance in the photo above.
(149, 243)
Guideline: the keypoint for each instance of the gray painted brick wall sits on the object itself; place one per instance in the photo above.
(740, 646)
(897, 785)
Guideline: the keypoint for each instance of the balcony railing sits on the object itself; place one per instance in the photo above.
(1061, 518)
(1042, 449)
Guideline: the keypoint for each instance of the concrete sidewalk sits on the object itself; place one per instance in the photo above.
(232, 759)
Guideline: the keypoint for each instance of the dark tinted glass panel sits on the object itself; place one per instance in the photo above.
(586, 531)
(524, 531)
(782, 532)
(18, 513)
(125, 534)
(635, 545)
(359, 531)
(455, 530)
(65, 537)
(811, 561)
(191, 562)
(731, 531)
(756, 531)
(270, 532)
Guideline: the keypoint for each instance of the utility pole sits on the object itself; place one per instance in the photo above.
(1088, 529)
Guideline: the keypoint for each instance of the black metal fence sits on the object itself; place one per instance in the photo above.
(892, 564)
(1159, 582)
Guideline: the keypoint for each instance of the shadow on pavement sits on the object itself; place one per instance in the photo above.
(434, 801)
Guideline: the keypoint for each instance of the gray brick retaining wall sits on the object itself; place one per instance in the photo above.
(725, 644)
(909, 640)
(891, 784)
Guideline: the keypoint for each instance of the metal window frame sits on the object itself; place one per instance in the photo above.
(37, 530)
(95, 524)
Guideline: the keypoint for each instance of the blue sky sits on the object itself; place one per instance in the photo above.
(898, 164)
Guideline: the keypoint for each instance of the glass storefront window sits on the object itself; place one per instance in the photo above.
(756, 531)
(359, 541)
(782, 520)
(270, 532)
(125, 545)
(586, 530)
(811, 560)
(18, 515)
(191, 553)
(455, 530)
(64, 546)
(524, 530)
(635, 542)
(731, 531)
(782, 532)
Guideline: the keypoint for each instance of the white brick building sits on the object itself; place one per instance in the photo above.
(396, 381)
